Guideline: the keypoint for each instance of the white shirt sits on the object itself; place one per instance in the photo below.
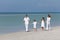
(26, 19)
(34, 24)
(42, 23)
(48, 20)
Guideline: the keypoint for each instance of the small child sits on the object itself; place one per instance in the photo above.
(43, 23)
(34, 25)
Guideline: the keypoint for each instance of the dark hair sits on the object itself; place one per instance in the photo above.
(43, 18)
(34, 20)
(26, 15)
(49, 15)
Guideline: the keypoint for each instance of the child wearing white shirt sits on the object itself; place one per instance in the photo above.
(34, 25)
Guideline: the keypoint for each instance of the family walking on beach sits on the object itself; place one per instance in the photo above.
(27, 20)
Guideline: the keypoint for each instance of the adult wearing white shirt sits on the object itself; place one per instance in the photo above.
(26, 20)
(48, 22)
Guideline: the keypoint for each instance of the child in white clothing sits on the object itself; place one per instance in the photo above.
(34, 25)
(43, 23)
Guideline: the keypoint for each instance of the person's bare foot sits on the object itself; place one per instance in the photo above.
(27, 31)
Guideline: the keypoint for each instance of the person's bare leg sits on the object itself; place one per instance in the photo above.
(42, 28)
(35, 29)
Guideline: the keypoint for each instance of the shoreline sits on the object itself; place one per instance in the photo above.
(30, 30)
(53, 34)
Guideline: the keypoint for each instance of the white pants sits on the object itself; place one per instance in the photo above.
(48, 26)
(26, 27)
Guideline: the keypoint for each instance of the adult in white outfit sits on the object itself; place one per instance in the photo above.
(26, 20)
(48, 22)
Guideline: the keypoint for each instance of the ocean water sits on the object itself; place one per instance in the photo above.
(13, 21)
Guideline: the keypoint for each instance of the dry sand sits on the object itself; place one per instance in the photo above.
(53, 34)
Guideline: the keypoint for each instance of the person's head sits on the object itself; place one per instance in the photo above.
(49, 15)
(34, 20)
(43, 18)
(26, 15)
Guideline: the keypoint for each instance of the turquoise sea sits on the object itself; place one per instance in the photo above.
(13, 21)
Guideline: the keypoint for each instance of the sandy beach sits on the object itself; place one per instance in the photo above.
(53, 34)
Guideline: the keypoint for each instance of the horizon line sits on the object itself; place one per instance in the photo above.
(29, 12)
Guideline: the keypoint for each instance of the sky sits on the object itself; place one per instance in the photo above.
(29, 5)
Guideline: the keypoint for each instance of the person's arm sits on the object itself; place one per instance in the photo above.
(28, 19)
(24, 19)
